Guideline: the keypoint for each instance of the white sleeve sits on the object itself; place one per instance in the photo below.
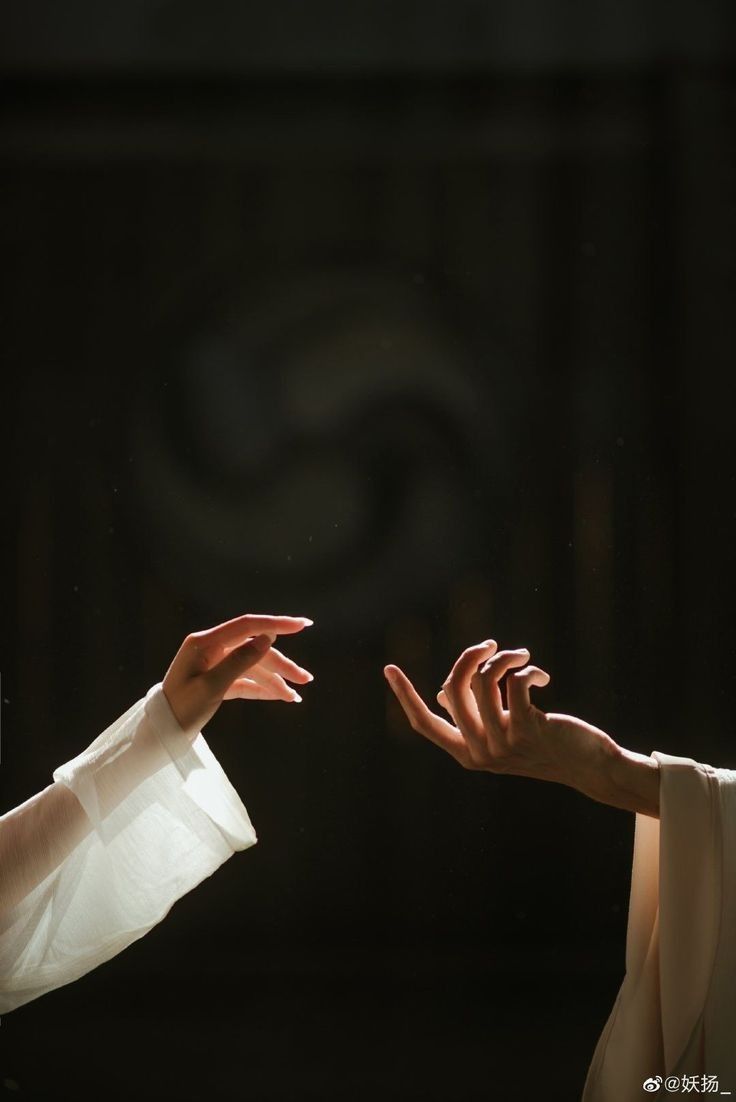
(676, 1011)
(98, 858)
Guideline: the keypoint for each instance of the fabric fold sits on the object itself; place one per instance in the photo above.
(675, 1014)
(148, 812)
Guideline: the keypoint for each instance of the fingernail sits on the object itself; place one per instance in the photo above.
(307, 623)
(308, 675)
(296, 698)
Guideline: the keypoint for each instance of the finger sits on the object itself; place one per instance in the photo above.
(278, 663)
(244, 688)
(426, 723)
(485, 688)
(445, 703)
(458, 691)
(234, 633)
(247, 688)
(273, 682)
(234, 665)
(518, 685)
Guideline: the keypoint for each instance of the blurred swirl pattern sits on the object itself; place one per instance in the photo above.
(319, 443)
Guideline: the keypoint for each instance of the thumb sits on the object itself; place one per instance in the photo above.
(221, 676)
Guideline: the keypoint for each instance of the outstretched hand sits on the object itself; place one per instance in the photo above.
(519, 738)
(233, 660)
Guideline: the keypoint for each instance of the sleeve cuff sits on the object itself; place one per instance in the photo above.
(203, 779)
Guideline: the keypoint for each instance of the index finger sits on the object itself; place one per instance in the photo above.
(426, 723)
(234, 632)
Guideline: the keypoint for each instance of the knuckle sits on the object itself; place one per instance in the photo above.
(500, 755)
(518, 739)
(478, 755)
(469, 657)
(499, 760)
(471, 759)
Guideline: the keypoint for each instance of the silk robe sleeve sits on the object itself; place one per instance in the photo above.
(94, 861)
(675, 1014)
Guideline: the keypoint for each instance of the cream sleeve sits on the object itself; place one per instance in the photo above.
(98, 858)
(674, 1020)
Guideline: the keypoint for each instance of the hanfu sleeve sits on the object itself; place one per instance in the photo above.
(675, 1015)
(98, 858)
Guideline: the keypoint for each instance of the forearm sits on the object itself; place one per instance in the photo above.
(39, 835)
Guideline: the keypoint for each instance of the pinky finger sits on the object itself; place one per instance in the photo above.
(246, 689)
(273, 683)
(518, 685)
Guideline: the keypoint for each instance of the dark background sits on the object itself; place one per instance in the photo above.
(419, 320)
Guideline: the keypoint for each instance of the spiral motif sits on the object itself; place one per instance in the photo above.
(652, 1084)
(322, 444)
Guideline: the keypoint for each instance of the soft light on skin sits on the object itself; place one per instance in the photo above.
(521, 739)
(634, 782)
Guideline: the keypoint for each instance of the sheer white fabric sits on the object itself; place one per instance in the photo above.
(98, 858)
(675, 1014)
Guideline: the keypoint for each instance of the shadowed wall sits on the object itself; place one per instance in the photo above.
(429, 356)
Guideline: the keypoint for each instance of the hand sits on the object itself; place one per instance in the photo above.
(520, 739)
(211, 666)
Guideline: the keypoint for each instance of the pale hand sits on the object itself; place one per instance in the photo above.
(233, 660)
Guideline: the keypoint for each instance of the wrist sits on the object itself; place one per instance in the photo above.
(632, 782)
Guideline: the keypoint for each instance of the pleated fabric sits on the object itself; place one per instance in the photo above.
(99, 857)
(675, 1015)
